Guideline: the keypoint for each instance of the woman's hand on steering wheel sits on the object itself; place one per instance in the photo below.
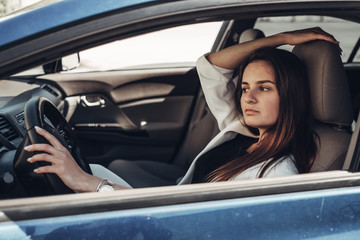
(61, 163)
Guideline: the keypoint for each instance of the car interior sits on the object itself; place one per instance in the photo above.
(147, 125)
(333, 126)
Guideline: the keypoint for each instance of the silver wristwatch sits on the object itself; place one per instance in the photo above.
(105, 186)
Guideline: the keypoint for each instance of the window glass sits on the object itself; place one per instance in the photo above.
(346, 32)
(178, 46)
(173, 47)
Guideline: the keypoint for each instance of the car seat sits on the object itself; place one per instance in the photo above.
(203, 127)
(331, 102)
(251, 34)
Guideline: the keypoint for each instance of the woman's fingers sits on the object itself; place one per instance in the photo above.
(326, 37)
(45, 169)
(51, 148)
(309, 34)
(322, 35)
(41, 157)
(51, 138)
(61, 162)
(53, 154)
(56, 160)
(47, 158)
(41, 147)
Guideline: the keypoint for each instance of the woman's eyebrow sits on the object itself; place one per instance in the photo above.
(259, 82)
(265, 81)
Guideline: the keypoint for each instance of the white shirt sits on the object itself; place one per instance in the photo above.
(283, 167)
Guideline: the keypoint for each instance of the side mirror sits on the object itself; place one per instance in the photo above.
(71, 62)
(66, 63)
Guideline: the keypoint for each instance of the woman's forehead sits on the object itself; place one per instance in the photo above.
(258, 70)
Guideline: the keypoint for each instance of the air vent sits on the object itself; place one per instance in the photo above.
(50, 90)
(20, 117)
(7, 130)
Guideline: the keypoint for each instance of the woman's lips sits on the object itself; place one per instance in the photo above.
(250, 111)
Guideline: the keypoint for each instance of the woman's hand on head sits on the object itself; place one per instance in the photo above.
(62, 163)
(306, 35)
(232, 57)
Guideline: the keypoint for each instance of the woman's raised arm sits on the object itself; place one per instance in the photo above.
(232, 57)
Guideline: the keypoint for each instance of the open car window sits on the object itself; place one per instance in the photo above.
(178, 46)
(172, 47)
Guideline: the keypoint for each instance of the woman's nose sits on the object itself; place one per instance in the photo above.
(250, 97)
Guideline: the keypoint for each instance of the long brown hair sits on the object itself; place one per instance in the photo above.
(292, 132)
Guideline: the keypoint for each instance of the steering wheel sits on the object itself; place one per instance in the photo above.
(40, 112)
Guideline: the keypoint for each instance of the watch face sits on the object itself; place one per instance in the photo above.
(106, 188)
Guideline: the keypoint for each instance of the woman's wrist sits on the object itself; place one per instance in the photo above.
(282, 38)
(86, 183)
(89, 183)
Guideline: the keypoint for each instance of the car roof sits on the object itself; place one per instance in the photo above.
(51, 13)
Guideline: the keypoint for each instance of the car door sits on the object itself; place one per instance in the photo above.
(320, 206)
(132, 99)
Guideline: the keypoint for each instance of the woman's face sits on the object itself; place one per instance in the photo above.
(260, 99)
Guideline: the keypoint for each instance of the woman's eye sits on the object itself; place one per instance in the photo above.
(244, 90)
(264, 88)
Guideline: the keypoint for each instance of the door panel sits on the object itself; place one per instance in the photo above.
(142, 118)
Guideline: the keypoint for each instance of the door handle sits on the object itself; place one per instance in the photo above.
(95, 101)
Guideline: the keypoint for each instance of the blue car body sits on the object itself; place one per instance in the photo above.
(324, 206)
(55, 15)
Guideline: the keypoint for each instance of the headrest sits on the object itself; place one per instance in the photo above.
(330, 95)
(250, 34)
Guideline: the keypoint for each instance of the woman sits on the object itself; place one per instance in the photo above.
(272, 102)
(267, 101)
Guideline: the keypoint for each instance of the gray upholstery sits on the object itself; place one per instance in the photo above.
(147, 173)
(330, 93)
(331, 102)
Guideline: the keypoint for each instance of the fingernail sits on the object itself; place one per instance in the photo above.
(35, 170)
(27, 148)
(29, 160)
(38, 128)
